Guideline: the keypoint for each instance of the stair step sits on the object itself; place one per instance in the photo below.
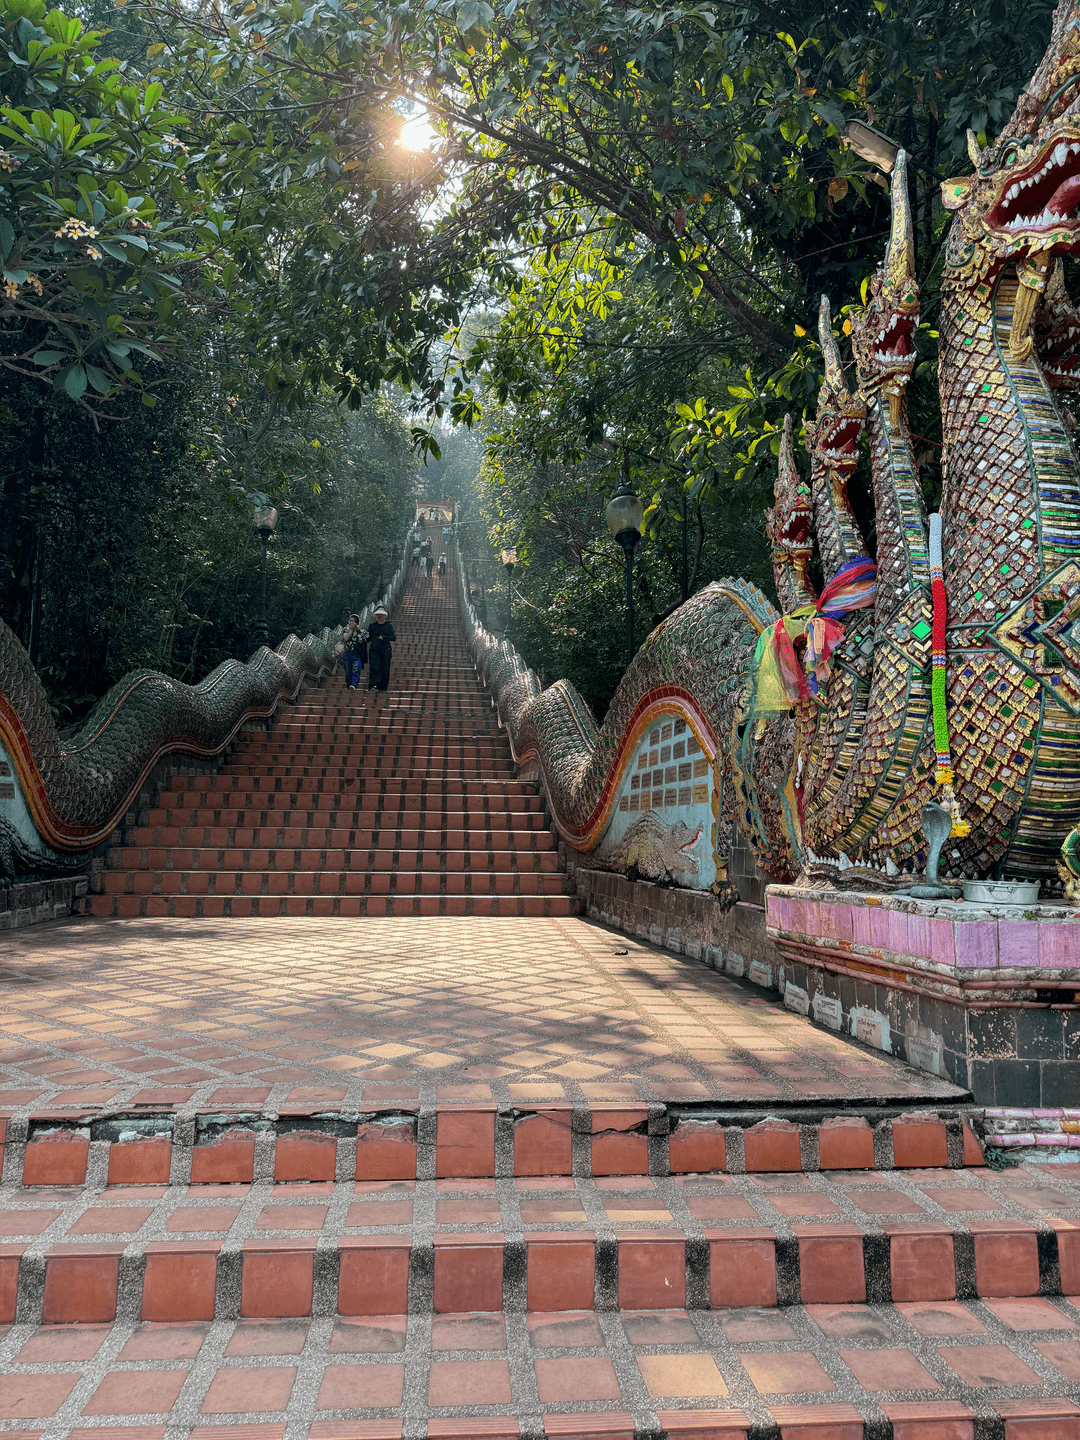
(869, 1145)
(703, 1243)
(131, 906)
(626, 1375)
(386, 853)
(308, 838)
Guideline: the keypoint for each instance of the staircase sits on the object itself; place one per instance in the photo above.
(466, 1273)
(355, 803)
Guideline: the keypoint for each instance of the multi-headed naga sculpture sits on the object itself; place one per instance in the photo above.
(825, 731)
(846, 773)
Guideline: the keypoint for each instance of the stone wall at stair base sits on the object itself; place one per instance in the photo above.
(32, 902)
(685, 921)
(986, 997)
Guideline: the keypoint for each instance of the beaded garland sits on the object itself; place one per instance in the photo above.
(943, 774)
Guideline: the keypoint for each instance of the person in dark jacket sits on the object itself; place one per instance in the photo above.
(380, 634)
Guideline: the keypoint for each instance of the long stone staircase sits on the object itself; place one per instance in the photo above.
(355, 803)
(274, 1238)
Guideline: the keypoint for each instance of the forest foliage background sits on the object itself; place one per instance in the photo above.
(224, 274)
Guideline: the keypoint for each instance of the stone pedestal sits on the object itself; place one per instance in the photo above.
(986, 996)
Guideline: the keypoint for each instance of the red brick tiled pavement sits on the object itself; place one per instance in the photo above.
(441, 1009)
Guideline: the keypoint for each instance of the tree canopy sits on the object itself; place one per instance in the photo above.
(606, 261)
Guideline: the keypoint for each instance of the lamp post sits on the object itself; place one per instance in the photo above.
(264, 519)
(624, 513)
(509, 560)
(877, 149)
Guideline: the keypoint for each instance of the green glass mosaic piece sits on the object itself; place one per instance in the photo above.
(921, 630)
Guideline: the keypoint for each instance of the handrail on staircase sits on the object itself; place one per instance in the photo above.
(60, 798)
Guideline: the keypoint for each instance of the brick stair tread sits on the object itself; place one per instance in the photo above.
(240, 881)
(426, 853)
(308, 837)
(477, 1376)
(509, 1246)
(131, 905)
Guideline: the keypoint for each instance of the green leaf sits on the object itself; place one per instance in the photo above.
(74, 380)
(99, 380)
(7, 238)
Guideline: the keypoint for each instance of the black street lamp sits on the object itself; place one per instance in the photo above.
(264, 519)
(509, 560)
(624, 513)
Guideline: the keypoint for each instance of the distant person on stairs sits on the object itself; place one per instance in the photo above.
(380, 634)
(442, 567)
(430, 563)
(415, 556)
(356, 652)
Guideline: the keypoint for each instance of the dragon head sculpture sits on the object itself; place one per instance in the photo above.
(833, 440)
(789, 524)
(1056, 331)
(1022, 202)
(883, 330)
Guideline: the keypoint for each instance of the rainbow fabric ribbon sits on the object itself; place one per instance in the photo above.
(782, 679)
(944, 778)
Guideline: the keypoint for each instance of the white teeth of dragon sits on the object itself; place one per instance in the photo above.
(1061, 153)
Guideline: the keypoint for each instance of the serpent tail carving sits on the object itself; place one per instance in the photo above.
(68, 795)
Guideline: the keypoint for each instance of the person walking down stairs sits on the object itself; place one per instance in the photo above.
(380, 653)
(356, 652)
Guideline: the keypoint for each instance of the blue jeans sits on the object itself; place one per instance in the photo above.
(353, 667)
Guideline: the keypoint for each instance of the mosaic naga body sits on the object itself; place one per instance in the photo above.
(844, 775)
(847, 775)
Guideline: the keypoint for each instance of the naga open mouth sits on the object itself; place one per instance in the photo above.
(1045, 195)
(893, 348)
(796, 531)
(839, 444)
(1058, 351)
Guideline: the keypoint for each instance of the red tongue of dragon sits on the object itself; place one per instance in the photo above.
(1066, 197)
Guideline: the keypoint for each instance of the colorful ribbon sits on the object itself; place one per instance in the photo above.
(943, 772)
(782, 681)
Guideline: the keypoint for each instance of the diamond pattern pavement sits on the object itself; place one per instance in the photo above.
(253, 1011)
